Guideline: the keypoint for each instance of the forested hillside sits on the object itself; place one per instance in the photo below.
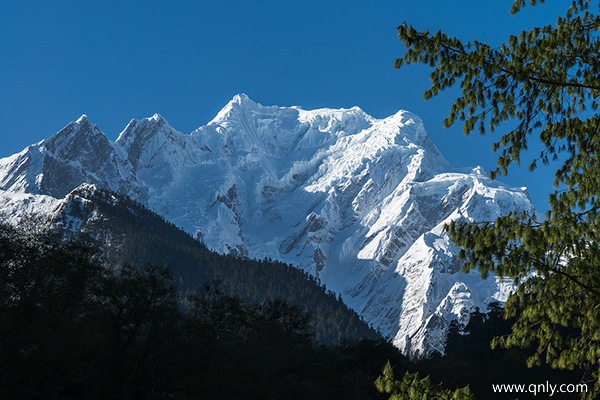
(71, 328)
(123, 231)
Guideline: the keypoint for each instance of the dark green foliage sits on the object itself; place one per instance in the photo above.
(266, 352)
(72, 329)
(413, 387)
(545, 83)
(544, 78)
(470, 360)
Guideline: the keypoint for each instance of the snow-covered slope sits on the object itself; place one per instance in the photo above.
(357, 201)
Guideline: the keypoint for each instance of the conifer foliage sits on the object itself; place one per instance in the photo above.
(546, 82)
(71, 328)
(413, 387)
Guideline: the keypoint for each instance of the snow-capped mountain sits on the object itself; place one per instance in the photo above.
(359, 202)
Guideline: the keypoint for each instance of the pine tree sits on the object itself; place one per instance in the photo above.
(546, 80)
(413, 387)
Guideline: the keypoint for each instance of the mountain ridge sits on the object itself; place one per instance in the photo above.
(356, 201)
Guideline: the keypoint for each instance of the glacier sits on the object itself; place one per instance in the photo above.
(359, 202)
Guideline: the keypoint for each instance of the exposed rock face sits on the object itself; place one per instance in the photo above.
(359, 202)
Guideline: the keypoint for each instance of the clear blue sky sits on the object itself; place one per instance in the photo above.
(117, 60)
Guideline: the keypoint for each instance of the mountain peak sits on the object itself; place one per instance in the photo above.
(79, 133)
(150, 126)
(143, 139)
(156, 118)
(241, 98)
(83, 119)
(238, 104)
